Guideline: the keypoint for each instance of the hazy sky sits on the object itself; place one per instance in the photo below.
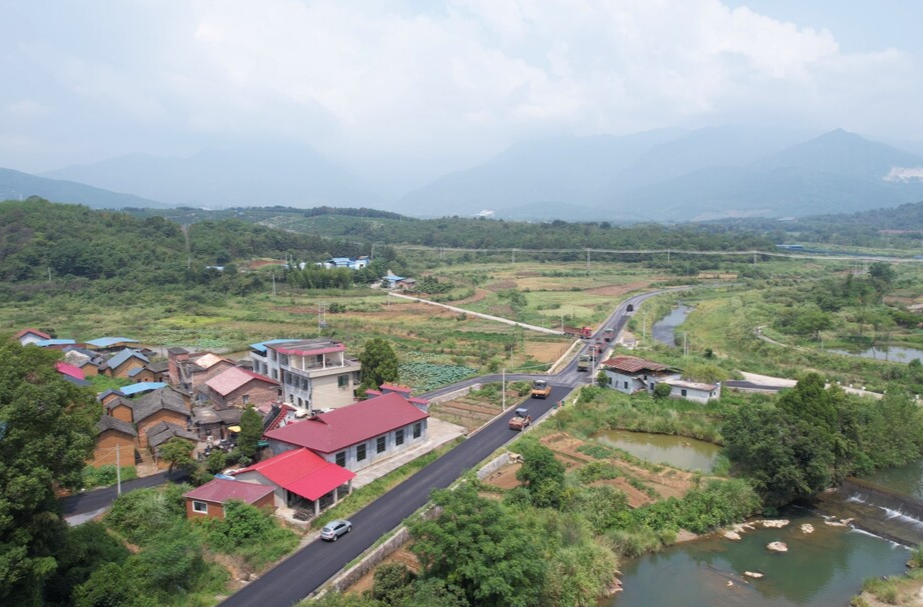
(439, 84)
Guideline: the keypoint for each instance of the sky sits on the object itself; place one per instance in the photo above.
(411, 88)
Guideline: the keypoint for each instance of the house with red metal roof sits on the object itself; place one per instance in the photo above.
(358, 435)
(30, 336)
(208, 500)
(239, 387)
(311, 372)
(630, 374)
(300, 479)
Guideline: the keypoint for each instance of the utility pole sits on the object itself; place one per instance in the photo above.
(685, 348)
(118, 470)
(49, 274)
(513, 251)
(273, 284)
(588, 258)
(503, 390)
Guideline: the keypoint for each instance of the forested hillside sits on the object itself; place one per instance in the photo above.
(43, 243)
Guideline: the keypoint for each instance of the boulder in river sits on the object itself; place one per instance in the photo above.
(807, 528)
(754, 574)
(777, 547)
(774, 524)
(731, 535)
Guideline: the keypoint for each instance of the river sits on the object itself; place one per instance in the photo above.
(664, 329)
(891, 353)
(825, 568)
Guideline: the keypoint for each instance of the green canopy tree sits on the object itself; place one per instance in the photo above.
(251, 430)
(542, 474)
(178, 453)
(379, 365)
(481, 548)
(46, 435)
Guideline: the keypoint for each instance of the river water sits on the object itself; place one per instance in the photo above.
(825, 568)
(891, 353)
(676, 451)
(663, 330)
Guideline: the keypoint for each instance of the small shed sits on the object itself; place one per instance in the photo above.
(209, 499)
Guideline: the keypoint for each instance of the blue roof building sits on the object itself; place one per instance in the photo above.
(144, 386)
(108, 342)
(261, 347)
(44, 343)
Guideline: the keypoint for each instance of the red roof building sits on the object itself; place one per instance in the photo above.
(239, 387)
(358, 435)
(209, 499)
(300, 479)
(69, 370)
(30, 336)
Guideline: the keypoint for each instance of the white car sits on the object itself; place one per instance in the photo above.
(334, 529)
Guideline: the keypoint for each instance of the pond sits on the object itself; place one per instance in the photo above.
(892, 353)
(676, 451)
(663, 330)
(821, 569)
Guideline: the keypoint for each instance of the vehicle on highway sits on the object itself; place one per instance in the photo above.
(540, 389)
(334, 529)
(521, 420)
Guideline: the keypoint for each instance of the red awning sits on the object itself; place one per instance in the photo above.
(320, 482)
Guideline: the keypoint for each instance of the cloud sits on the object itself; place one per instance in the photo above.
(366, 78)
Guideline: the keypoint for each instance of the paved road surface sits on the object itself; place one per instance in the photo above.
(100, 499)
(310, 567)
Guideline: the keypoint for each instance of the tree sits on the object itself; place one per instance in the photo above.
(602, 380)
(542, 474)
(178, 453)
(46, 435)
(379, 365)
(480, 547)
(662, 391)
(251, 430)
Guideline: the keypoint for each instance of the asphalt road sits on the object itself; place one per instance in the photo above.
(92, 501)
(306, 570)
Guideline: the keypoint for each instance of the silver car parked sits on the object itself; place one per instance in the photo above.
(334, 529)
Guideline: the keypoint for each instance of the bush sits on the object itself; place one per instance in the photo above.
(105, 476)
(662, 391)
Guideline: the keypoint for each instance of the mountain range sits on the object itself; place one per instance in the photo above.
(659, 175)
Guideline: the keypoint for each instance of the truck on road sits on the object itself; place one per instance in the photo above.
(608, 334)
(521, 419)
(584, 333)
(540, 389)
(583, 363)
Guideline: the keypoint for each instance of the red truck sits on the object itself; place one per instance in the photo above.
(584, 333)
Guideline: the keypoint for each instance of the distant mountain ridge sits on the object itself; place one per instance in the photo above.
(295, 176)
(15, 185)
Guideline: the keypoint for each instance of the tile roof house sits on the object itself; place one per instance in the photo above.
(87, 360)
(192, 370)
(238, 387)
(115, 443)
(122, 363)
(358, 435)
(211, 422)
(630, 374)
(161, 432)
(163, 405)
(209, 499)
(300, 479)
(30, 336)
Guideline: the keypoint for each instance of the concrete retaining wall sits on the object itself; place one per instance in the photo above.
(493, 465)
(453, 395)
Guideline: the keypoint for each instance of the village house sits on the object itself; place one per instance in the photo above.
(399, 283)
(85, 360)
(239, 387)
(358, 435)
(309, 371)
(208, 500)
(419, 403)
(191, 370)
(630, 374)
(71, 373)
(300, 479)
(56, 343)
(209, 421)
(163, 405)
(30, 336)
(123, 363)
(162, 432)
(345, 262)
(111, 344)
(115, 442)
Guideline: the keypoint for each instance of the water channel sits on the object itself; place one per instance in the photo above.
(663, 330)
(676, 451)
(824, 568)
(892, 353)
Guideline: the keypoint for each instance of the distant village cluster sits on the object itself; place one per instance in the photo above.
(316, 435)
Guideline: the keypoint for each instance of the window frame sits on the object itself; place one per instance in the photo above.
(197, 510)
(338, 457)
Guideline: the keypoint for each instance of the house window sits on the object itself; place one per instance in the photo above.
(245, 399)
(275, 374)
(626, 385)
(652, 385)
(381, 444)
(684, 393)
(283, 359)
(341, 459)
(399, 437)
(360, 452)
(200, 507)
(343, 381)
(417, 430)
(272, 354)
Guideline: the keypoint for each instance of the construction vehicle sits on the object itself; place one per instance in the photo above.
(597, 349)
(630, 308)
(608, 334)
(584, 333)
(520, 420)
(540, 389)
(583, 363)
